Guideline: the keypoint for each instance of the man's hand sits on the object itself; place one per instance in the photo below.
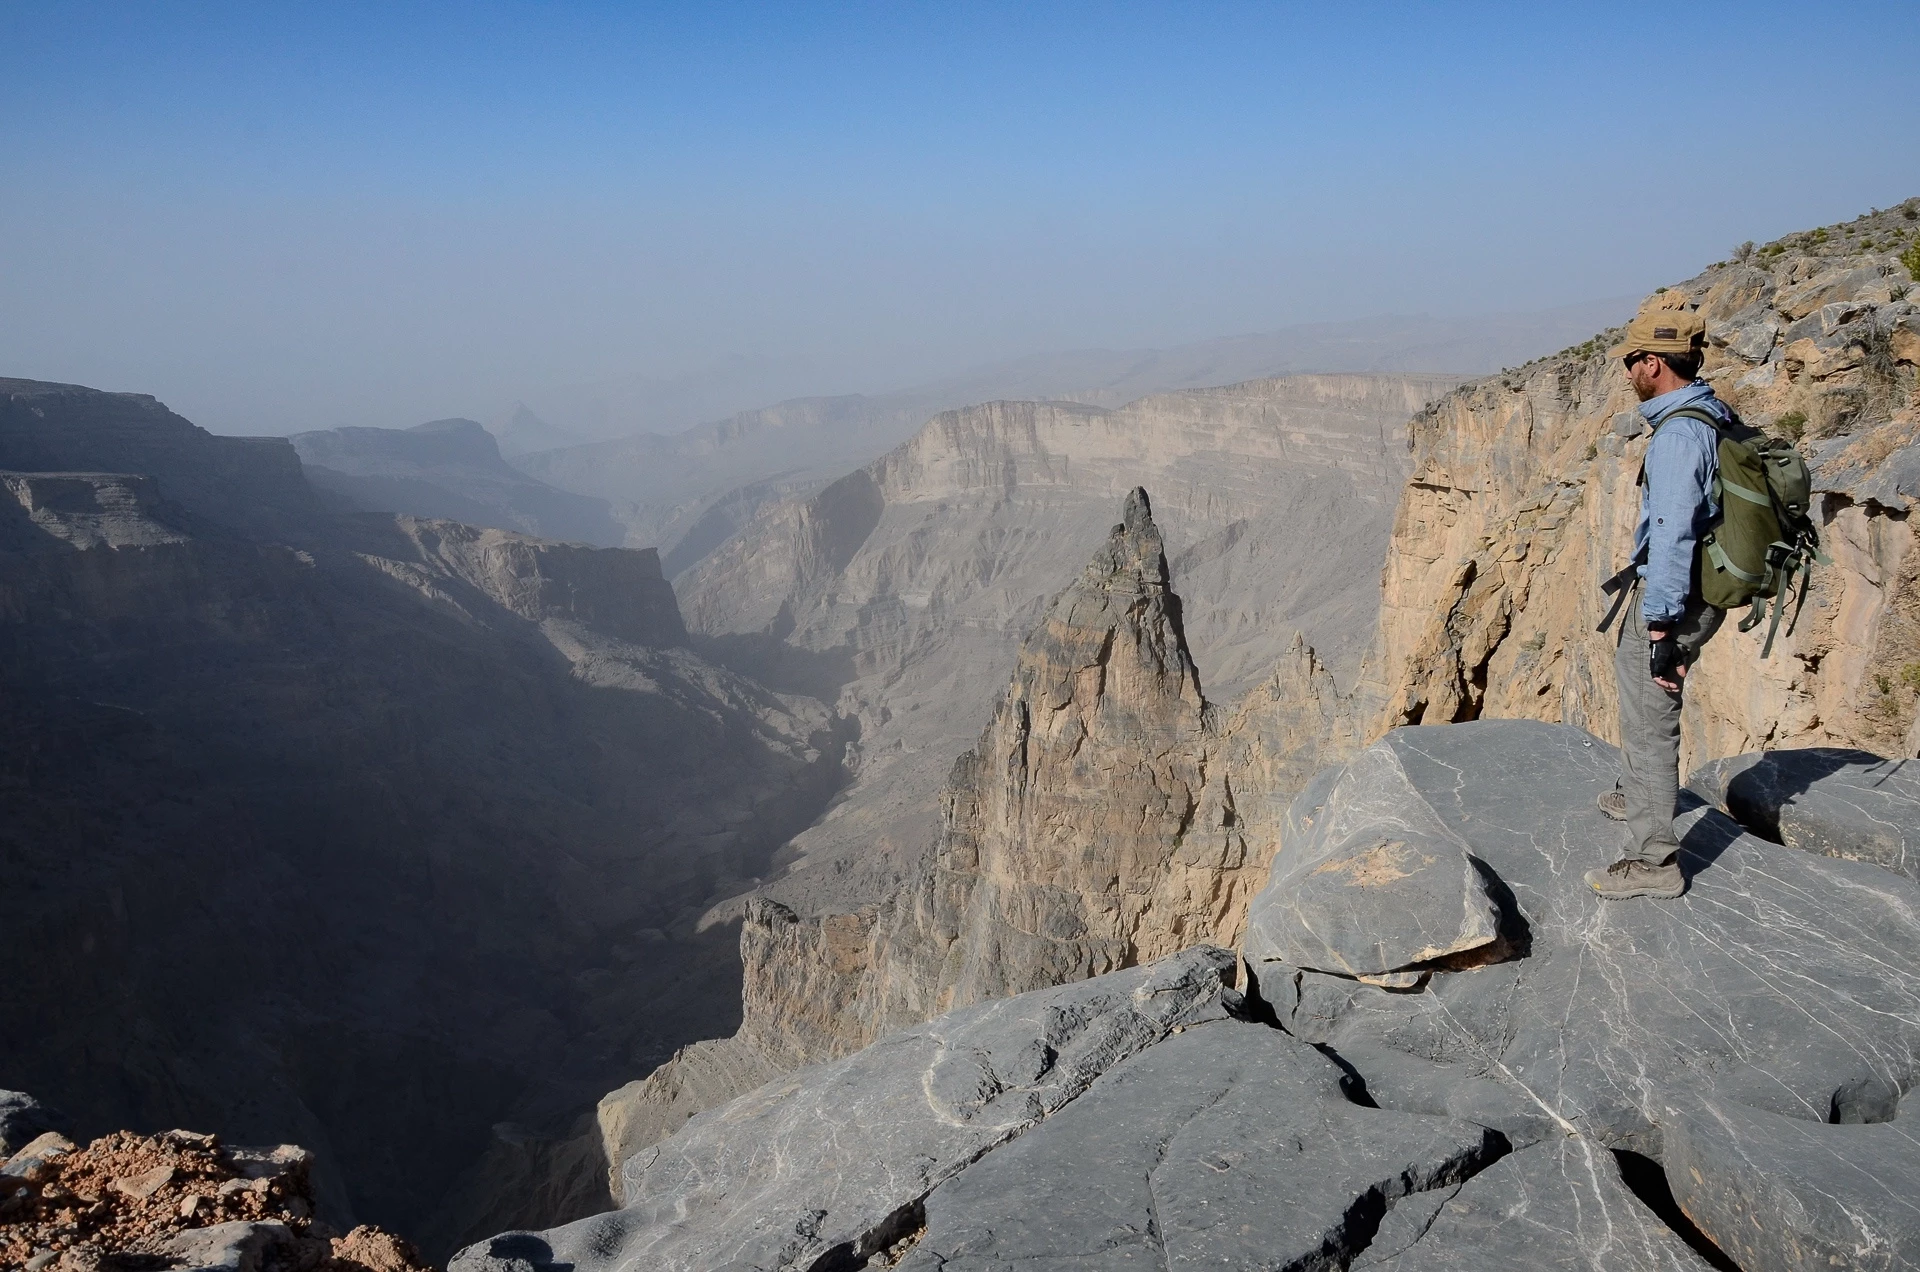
(1667, 659)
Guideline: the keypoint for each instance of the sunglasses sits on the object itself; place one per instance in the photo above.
(1632, 358)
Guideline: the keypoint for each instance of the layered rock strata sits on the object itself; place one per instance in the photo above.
(1673, 1085)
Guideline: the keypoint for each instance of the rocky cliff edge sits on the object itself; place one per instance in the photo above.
(1713, 1082)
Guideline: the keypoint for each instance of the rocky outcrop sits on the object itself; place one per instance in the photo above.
(1523, 496)
(1823, 799)
(1089, 829)
(252, 484)
(1609, 1084)
(1731, 1034)
(740, 1186)
(177, 1200)
(339, 829)
(905, 589)
(1092, 827)
(449, 470)
(1082, 834)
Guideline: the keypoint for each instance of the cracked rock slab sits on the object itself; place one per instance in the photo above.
(1372, 885)
(1781, 1194)
(831, 1161)
(1230, 1146)
(1783, 990)
(1557, 1205)
(1783, 980)
(1829, 800)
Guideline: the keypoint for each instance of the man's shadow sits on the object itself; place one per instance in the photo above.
(1755, 796)
(1707, 838)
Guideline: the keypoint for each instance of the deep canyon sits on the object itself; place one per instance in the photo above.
(1011, 793)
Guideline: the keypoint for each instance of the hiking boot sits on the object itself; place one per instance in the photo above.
(1613, 803)
(1628, 878)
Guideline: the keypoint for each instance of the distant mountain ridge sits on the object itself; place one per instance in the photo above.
(453, 469)
(661, 484)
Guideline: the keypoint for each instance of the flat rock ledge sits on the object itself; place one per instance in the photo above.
(1451, 1055)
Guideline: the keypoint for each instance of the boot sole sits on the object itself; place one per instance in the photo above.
(1632, 894)
(1608, 813)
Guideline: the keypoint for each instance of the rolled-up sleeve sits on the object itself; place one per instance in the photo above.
(1680, 464)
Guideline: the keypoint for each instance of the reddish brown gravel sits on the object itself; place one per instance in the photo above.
(114, 1205)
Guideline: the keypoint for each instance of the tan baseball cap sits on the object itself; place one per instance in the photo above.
(1662, 331)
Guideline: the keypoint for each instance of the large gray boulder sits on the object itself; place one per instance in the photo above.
(23, 1118)
(1231, 1146)
(1783, 983)
(1829, 800)
(1782, 1194)
(1372, 884)
(836, 1159)
(1558, 1205)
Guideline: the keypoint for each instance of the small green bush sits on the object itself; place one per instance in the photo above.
(1910, 675)
(1793, 423)
(1819, 235)
(1911, 259)
(1881, 683)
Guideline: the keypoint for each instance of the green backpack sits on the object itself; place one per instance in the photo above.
(1765, 532)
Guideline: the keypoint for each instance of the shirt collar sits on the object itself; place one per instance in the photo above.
(1654, 408)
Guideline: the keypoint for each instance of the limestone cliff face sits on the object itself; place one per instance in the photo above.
(615, 591)
(905, 590)
(1523, 497)
(1092, 827)
(1087, 830)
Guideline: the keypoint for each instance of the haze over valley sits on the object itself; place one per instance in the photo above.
(682, 639)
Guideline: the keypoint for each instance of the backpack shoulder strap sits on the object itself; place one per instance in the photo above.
(1705, 417)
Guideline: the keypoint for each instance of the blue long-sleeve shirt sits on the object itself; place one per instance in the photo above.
(1676, 504)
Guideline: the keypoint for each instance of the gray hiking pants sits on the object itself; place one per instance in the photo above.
(1650, 730)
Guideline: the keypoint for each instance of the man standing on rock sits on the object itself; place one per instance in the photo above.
(1661, 635)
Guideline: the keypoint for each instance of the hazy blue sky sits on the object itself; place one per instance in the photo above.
(285, 216)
